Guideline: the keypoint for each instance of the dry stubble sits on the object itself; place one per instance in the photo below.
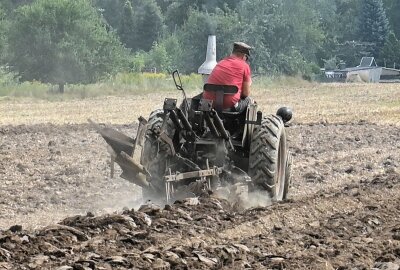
(312, 103)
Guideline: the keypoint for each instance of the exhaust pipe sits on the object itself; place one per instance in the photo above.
(211, 58)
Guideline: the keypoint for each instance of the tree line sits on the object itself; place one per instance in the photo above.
(82, 41)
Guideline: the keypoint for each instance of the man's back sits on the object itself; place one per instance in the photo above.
(229, 71)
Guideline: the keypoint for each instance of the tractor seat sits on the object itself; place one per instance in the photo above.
(220, 91)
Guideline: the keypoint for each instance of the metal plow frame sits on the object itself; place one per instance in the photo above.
(122, 149)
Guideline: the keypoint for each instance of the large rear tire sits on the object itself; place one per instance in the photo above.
(269, 162)
(154, 155)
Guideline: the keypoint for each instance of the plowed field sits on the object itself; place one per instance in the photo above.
(59, 209)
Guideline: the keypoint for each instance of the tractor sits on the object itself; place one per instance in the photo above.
(196, 146)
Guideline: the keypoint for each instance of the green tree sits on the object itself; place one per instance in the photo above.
(339, 20)
(228, 30)
(194, 34)
(285, 34)
(177, 13)
(391, 51)
(9, 5)
(374, 25)
(3, 31)
(392, 8)
(138, 62)
(127, 29)
(5, 5)
(149, 23)
(163, 4)
(351, 52)
(111, 10)
(158, 58)
(173, 47)
(62, 41)
(303, 25)
(346, 24)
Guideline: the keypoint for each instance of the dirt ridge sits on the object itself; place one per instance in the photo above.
(183, 236)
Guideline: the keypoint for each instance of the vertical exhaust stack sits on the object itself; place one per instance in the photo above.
(211, 58)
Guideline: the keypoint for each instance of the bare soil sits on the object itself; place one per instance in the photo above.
(343, 211)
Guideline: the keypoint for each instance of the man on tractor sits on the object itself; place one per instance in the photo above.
(234, 71)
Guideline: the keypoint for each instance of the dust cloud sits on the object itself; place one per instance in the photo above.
(239, 196)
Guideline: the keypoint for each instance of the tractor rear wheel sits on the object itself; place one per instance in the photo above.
(269, 160)
(155, 154)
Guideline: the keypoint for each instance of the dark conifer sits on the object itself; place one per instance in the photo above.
(374, 26)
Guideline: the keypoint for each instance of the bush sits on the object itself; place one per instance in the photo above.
(7, 77)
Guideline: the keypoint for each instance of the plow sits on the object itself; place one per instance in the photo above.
(195, 147)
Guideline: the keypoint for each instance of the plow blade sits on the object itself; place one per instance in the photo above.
(132, 171)
(118, 141)
(121, 149)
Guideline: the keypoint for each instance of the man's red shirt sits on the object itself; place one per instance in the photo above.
(229, 71)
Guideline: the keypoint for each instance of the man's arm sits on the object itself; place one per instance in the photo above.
(246, 81)
(246, 89)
